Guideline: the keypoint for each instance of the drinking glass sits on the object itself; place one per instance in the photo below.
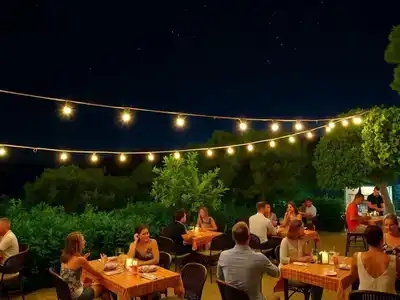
(119, 251)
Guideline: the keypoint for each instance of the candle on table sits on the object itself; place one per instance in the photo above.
(325, 257)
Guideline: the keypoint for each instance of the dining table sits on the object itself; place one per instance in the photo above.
(127, 285)
(200, 238)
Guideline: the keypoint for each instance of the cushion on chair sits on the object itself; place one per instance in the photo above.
(9, 276)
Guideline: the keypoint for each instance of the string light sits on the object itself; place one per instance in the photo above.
(67, 110)
(150, 157)
(122, 158)
(94, 158)
(230, 151)
(298, 126)
(272, 144)
(275, 127)
(328, 129)
(180, 122)
(126, 117)
(3, 151)
(292, 139)
(345, 123)
(309, 135)
(250, 147)
(64, 156)
(177, 155)
(209, 153)
(331, 125)
(243, 126)
(357, 120)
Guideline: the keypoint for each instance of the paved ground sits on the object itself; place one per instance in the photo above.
(210, 292)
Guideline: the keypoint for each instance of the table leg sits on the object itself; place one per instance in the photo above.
(286, 288)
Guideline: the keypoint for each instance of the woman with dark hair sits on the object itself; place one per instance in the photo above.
(143, 248)
(291, 214)
(72, 263)
(375, 270)
(204, 221)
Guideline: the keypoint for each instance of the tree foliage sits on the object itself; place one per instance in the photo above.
(179, 183)
(392, 56)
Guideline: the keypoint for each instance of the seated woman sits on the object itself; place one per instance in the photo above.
(294, 248)
(392, 233)
(204, 221)
(375, 270)
(72, 263)
(291, 214)
(143, 248)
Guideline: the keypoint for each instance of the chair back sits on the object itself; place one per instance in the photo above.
(14, 264)
(368, 295)
(278, 253)
(254, 242)
(229, 292)
(221, 242)
(165, 260)
(23, 248)
(194, 276)
(166, 244)
(62, 288)
(162, 229)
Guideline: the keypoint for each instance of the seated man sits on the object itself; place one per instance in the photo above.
(309, 212)
(262, 226)
(242, 267)
(8, 241)
(353, 220)
(270, 215)
(175, 231)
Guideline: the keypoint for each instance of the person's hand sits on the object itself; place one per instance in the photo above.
(367, 218)
(136, 237)
(86, 256)
(309, 259)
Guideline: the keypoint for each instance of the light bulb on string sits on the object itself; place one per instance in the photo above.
(3, 151)
(67, 110)
(243, 125)
(122, 158)
(126, 117)
(250, 147)
(357, 120)
(180, 122)
(210, 153)
(331, 125)
(177, 155)
(292, 139)
(272, 144)
(230, 150)
(328, 129)
(150, 157)
(309, 135)
(298, 126)
(94, 158)
(275, 127)
(64, 156)
(345, 123)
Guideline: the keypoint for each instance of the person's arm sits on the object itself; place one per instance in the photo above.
(156, 255)
(213, 225)
(382, 208)
(313, 212)
(353, 212)
(270, 229)
(220, 272)
(274, 219)
(306, 249)
(354, 270)
(299, 217)
(132, 250)
(85, 264)
(285, 220)
(397, 267)
(268, 267)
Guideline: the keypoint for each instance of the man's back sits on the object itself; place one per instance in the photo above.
(244, 268)
(8, 246)
(259, 225)
(175, 231)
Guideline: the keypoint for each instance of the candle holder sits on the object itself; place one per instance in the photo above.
(323, 257)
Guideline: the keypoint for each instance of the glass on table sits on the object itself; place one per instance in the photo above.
(119, 251)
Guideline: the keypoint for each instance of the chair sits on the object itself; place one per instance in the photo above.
(211, 256)
(254, 242)
(368, 295)
(62, 289)
(229, 292)
(165, 260)
(11, 274)
(166, 244)
(352, 240)
(23, 247)
(295, 286)
(194, 276)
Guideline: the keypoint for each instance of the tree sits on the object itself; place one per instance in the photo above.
(179, 183)
(392, 56)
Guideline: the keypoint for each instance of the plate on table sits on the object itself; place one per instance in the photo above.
(344, 267)
(147, 269)
(330, 273)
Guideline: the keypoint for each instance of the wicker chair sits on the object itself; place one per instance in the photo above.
(168, 245)
(354, 240)
(254, 242)
(62, 289)
(165, 260)
(368, 295)
(229, 292)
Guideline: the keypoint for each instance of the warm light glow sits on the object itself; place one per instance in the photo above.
(292, 139)
(243, 126)
(250, 147)
(309, 135)
(126, 117)
(177, 155)
(180, 122)
(122, 158)
(357, 120)
(64, 156)
(3, 151)
(272, 144)
(230, 150)
(345, 123)
(150, 157)
(328, 129)
(67, 110)
(275, 127)
(331, 125)
(298, 126)
(94, 158)
(209, 153)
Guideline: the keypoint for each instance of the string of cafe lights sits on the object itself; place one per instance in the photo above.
(64, 154)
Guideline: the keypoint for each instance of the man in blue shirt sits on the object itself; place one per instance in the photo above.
(242, 267)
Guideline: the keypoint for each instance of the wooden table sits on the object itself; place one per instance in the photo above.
(127, 285)
(375, 220)
(200, 238)
(314, 274)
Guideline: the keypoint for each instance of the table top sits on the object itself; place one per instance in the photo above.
(201, 234)
(282, 232)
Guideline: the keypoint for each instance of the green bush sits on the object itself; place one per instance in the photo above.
(330, 210)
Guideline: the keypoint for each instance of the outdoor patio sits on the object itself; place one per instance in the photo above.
(328, 241)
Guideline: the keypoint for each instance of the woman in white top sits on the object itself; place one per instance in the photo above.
(375, 270)
(294, 248)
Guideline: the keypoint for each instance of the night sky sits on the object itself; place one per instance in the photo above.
(242, 58)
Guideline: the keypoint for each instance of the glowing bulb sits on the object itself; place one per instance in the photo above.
(243, 126)
(177, 155)
(67, 110)
(309, 135)
(357, 120)
(180, 122)
(64, 156)
(250, 147)
(94, 158)
(122, 158)
(3, 151)
(292, 139)
(272, 144)
(230, 150)
(298, 126)
(328, 129)
(275, 127)
(209, 153)
(150, 157)
(345, 123)
(331, 125)
(126, 117)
